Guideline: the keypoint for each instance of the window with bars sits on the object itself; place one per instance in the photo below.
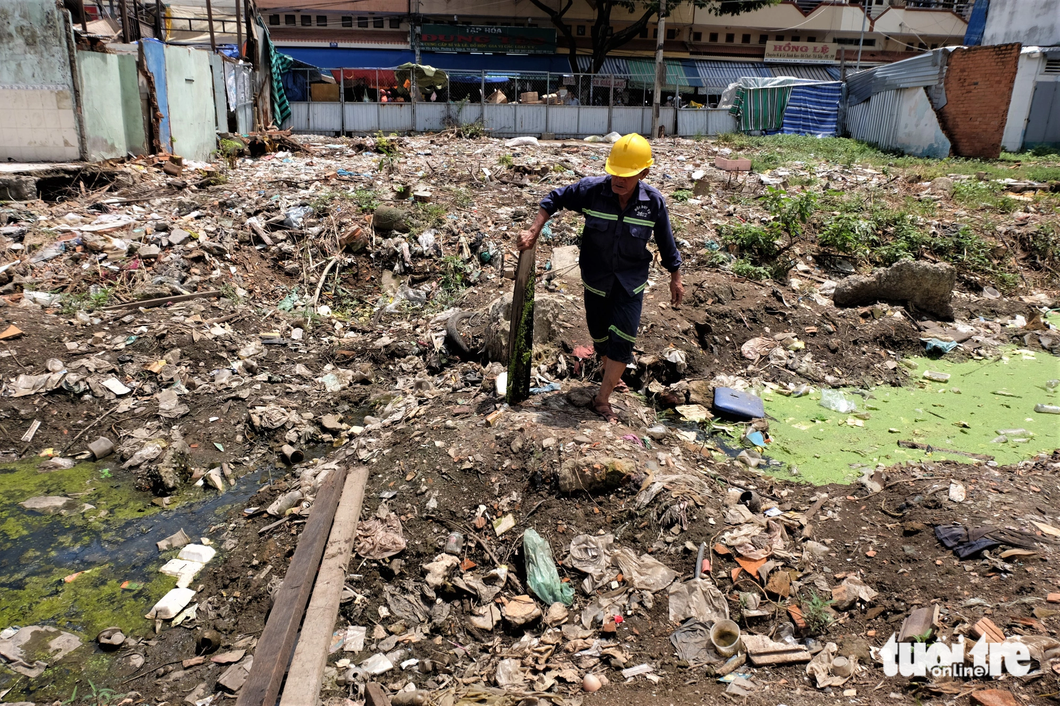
(347, 22)
(362, 22)
(395, 23)
(697, 36)
(730, 38)
(307, 20)
(274, 19)
(378, 23)
(322, 20)
(745, 39)
(763, 38)
(671, 34)
(289, 20)
(713, 37)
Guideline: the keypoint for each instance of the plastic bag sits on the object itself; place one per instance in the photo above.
(837, 401)
(521, 142)
(541, 571)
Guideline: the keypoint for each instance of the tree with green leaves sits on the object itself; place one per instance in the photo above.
(605, 40)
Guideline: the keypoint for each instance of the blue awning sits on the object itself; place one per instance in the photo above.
(335, 58)
(496, 62)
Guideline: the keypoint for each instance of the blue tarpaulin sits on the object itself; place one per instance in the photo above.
(813, 110)
(973, 36)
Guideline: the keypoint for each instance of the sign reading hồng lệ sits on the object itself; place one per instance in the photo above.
(801, 51)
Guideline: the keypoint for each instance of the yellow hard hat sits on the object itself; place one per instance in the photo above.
(629, 156)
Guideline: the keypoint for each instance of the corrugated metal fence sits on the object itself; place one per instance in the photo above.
(876, 120)
(578, 105)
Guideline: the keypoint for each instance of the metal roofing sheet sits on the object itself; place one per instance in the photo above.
(719, 74)
(919, 71)
(812, 72)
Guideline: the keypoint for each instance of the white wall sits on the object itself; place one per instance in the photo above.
(192, 117)
(919, 133)
(1031, 62)
(1030, 22)
(37, 120)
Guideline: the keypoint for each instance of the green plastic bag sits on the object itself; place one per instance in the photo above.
(541, 571)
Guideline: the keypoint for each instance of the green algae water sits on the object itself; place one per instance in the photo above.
(93, 566)
(968, 413)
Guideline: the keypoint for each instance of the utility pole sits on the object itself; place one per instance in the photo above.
(415, 28)
(660, 70)
(861, 42)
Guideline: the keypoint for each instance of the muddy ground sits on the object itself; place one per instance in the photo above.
(423, 418)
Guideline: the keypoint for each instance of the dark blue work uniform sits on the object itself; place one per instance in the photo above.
(614, 256)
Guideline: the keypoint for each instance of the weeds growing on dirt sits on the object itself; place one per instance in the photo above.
(86, 301)
(506, 160)
(454, 274)
(815, 612)
(681, 195)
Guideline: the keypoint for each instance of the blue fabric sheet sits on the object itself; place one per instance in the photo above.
(813, 110)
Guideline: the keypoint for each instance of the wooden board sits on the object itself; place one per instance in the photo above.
(311, 653)
(277, 640)
(521, 329)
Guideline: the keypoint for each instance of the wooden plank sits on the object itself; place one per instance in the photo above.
(277, 640)
(375, 696)
(311, 653)
(521, 329)
(148, 303)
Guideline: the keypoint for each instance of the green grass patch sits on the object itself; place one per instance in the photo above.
(771, 151)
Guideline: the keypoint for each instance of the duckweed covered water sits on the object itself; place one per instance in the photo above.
(966, 413)
(95, 566)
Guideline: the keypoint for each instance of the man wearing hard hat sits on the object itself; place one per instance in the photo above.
(621, 213)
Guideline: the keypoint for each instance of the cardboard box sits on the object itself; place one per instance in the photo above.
(528, 97)
(324, 92)
(497, 97)
(733, 165)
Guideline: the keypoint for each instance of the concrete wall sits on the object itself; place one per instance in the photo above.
(1031, 22)
(37, 118)
(1030, 64)
(110, 104)
(978, 86)
(918, 131)
(192, 118)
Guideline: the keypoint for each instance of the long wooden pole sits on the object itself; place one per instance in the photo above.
(124, 21)
(277, 639)
(306, 674)
(239, 29)
(209, 19)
